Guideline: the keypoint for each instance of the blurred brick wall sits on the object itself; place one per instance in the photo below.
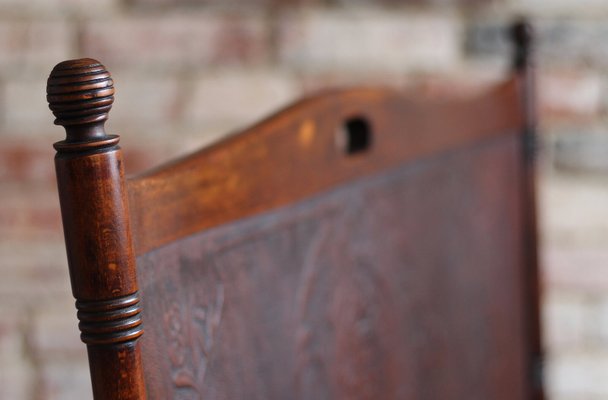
(188, 71)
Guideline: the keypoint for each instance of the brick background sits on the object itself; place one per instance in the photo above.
(189, 71)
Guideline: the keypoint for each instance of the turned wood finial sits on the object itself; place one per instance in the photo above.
(80, 95)
(522, 35)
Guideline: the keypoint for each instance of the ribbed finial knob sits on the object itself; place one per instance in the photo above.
(80, 92)
(80, 95)
(522, 35)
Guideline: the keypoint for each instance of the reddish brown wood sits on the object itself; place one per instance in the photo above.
(294, 155)
(97, 228)
(404, 285)
(288, 262)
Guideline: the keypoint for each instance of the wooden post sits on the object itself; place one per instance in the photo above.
(523, 35)
(96, 226)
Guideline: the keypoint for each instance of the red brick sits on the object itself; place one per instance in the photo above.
(569, 95)
(579, 148)
(400, 3)
(28, 288)
(239, 97)
(33, 45)
(252, 4)
(46, 8)
(196, 134)
(319, 80)
(65, 380)
(602, 320)
(53, 333)
(29, 209)
(177, 41)
(36, 256)
(144, 103)
(189, 71)
(16, 373)
(575, 375)
(371, 40)
(27, 164)
(576, 270)
(468, 80)
(559, 8)
(28, 160)
(141, 153)
(574, 220)
(567, 319)
(26, 109)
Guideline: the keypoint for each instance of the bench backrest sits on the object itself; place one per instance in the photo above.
(360, 244)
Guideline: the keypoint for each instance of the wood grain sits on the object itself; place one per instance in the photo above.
(294, 155)
(360, 244)
(404, 285)
(93, 198)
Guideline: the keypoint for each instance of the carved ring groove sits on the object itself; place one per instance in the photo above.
(70, 147)
(80, 92)
(110, 321)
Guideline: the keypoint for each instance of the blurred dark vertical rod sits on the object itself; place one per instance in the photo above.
(523, 36)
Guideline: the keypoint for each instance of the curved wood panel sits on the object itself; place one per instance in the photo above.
(304, 150)
(407, 285)
(393, 257)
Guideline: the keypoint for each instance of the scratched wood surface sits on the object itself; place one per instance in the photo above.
(405, 284)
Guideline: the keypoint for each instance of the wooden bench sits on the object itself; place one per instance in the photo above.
(359, 244)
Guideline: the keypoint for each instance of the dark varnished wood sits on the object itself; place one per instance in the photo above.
(97, 230)
(279, 263)
(403, 285)
(294, 155)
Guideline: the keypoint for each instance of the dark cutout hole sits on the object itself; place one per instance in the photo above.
(358, 135)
